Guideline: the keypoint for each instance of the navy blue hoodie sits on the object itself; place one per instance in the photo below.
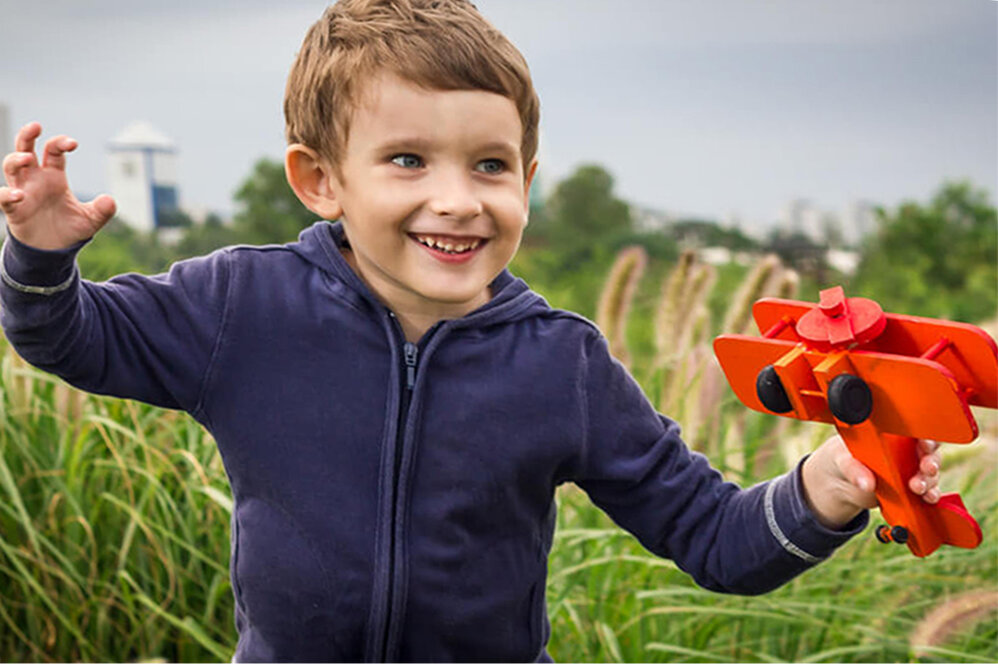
(395, 501)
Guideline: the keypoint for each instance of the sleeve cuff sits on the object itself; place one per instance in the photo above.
(37, 271)
(796, 528)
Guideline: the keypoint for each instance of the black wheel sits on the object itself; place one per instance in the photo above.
(850, 399)
(899, 534)
(771, 392)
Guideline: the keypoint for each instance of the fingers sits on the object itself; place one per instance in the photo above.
(55, 150)
(9, 198)
(926, 482)
(14, 163)
(25, 139)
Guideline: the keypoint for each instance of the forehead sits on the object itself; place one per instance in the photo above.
(391, 108)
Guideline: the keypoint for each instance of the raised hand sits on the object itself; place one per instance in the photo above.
(41, 210)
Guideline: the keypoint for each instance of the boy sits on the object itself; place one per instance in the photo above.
(394, 409)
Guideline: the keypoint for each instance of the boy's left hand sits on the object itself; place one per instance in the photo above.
(837, 487)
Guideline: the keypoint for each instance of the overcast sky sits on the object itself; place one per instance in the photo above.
(699, 107)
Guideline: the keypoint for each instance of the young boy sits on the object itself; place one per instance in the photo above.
(393, 408)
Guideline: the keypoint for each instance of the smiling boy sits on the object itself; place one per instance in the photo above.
(393, 408)
(432, 190)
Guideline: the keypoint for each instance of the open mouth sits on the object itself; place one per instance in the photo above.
(447, 244)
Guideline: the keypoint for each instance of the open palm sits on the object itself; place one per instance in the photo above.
(41, 210)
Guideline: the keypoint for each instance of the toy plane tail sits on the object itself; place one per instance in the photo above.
(954, 522)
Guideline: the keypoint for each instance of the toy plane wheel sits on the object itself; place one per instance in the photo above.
(770, 391)
(850, 399)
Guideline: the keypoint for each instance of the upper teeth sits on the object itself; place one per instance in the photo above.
(451, 246)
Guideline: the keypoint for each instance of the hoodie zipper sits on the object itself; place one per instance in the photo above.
(410, 360)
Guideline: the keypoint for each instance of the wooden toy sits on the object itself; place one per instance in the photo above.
(883, 380)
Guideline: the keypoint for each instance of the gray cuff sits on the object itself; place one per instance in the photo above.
(796, 528)
(37, 271)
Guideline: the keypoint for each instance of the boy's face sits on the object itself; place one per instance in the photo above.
(433, 194)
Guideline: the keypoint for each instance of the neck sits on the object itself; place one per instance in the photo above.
(413, 313)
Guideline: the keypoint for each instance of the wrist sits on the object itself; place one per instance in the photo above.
(27, 268)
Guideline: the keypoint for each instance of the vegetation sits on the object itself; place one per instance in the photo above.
(939, 259)
(114, 515)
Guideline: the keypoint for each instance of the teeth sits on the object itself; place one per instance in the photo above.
(449, 247)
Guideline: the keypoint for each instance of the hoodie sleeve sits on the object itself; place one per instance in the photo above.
(637, 469)
(137, 337)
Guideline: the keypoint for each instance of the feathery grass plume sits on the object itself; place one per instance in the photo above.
(759, 281)
(19, 382)
(684, 292)
(671, 302)
(788, 285)
(686, 366)
(952, 616)
(615, 300)
(713, 386)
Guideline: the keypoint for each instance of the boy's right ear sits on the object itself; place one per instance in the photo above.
(311, 178)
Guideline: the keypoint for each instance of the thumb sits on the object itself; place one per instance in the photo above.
(857, 475)
(101, 209)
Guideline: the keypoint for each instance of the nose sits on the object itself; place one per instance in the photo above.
(453, 194)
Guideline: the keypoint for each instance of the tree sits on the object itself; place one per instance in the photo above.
(583, 210)
(270, 212)
(935, 260)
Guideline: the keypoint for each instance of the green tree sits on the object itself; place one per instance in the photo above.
(938, 260)
(269, 210)
(583, 210)
(202, 239)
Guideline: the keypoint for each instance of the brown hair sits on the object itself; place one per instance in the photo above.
(437, 44)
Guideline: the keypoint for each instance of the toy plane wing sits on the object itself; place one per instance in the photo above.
(934, 409)
(970, 355)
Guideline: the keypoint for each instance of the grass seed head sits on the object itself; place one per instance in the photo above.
(952, 616)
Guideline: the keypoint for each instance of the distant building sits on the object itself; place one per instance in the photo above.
(649, 220)
(142, 175)
(860, 220)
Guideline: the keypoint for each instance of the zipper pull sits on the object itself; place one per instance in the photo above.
(411, 355)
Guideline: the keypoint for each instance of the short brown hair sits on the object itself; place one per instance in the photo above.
(437, 44)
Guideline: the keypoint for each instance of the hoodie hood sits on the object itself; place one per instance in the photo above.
(320, 244)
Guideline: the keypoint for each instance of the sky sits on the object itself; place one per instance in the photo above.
(715, 109)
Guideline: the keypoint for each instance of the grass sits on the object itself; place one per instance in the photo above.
(114, 542)
(113, 529)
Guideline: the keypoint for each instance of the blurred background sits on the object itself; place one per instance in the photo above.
(694, 157)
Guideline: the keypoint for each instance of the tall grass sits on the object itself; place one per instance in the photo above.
(113, 528)
(114, 531)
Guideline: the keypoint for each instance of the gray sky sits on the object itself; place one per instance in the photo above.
(701, 107)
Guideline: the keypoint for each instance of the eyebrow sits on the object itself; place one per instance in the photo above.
(420, 144)
(403, 144)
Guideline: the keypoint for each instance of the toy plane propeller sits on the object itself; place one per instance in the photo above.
(883, 380)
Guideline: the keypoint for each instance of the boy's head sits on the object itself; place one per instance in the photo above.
(414, 122)
(435, 44)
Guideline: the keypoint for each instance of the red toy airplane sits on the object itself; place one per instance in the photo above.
(883, 380)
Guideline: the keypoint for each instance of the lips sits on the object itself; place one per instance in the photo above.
(450, 249)
(451, 245)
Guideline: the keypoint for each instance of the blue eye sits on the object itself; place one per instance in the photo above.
(407, 160)
(491, 166)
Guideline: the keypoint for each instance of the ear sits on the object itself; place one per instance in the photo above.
(313, 181)
(527, 182)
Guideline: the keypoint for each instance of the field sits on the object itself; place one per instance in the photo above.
(114, 525)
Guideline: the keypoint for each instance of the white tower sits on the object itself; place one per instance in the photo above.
(142, 173)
